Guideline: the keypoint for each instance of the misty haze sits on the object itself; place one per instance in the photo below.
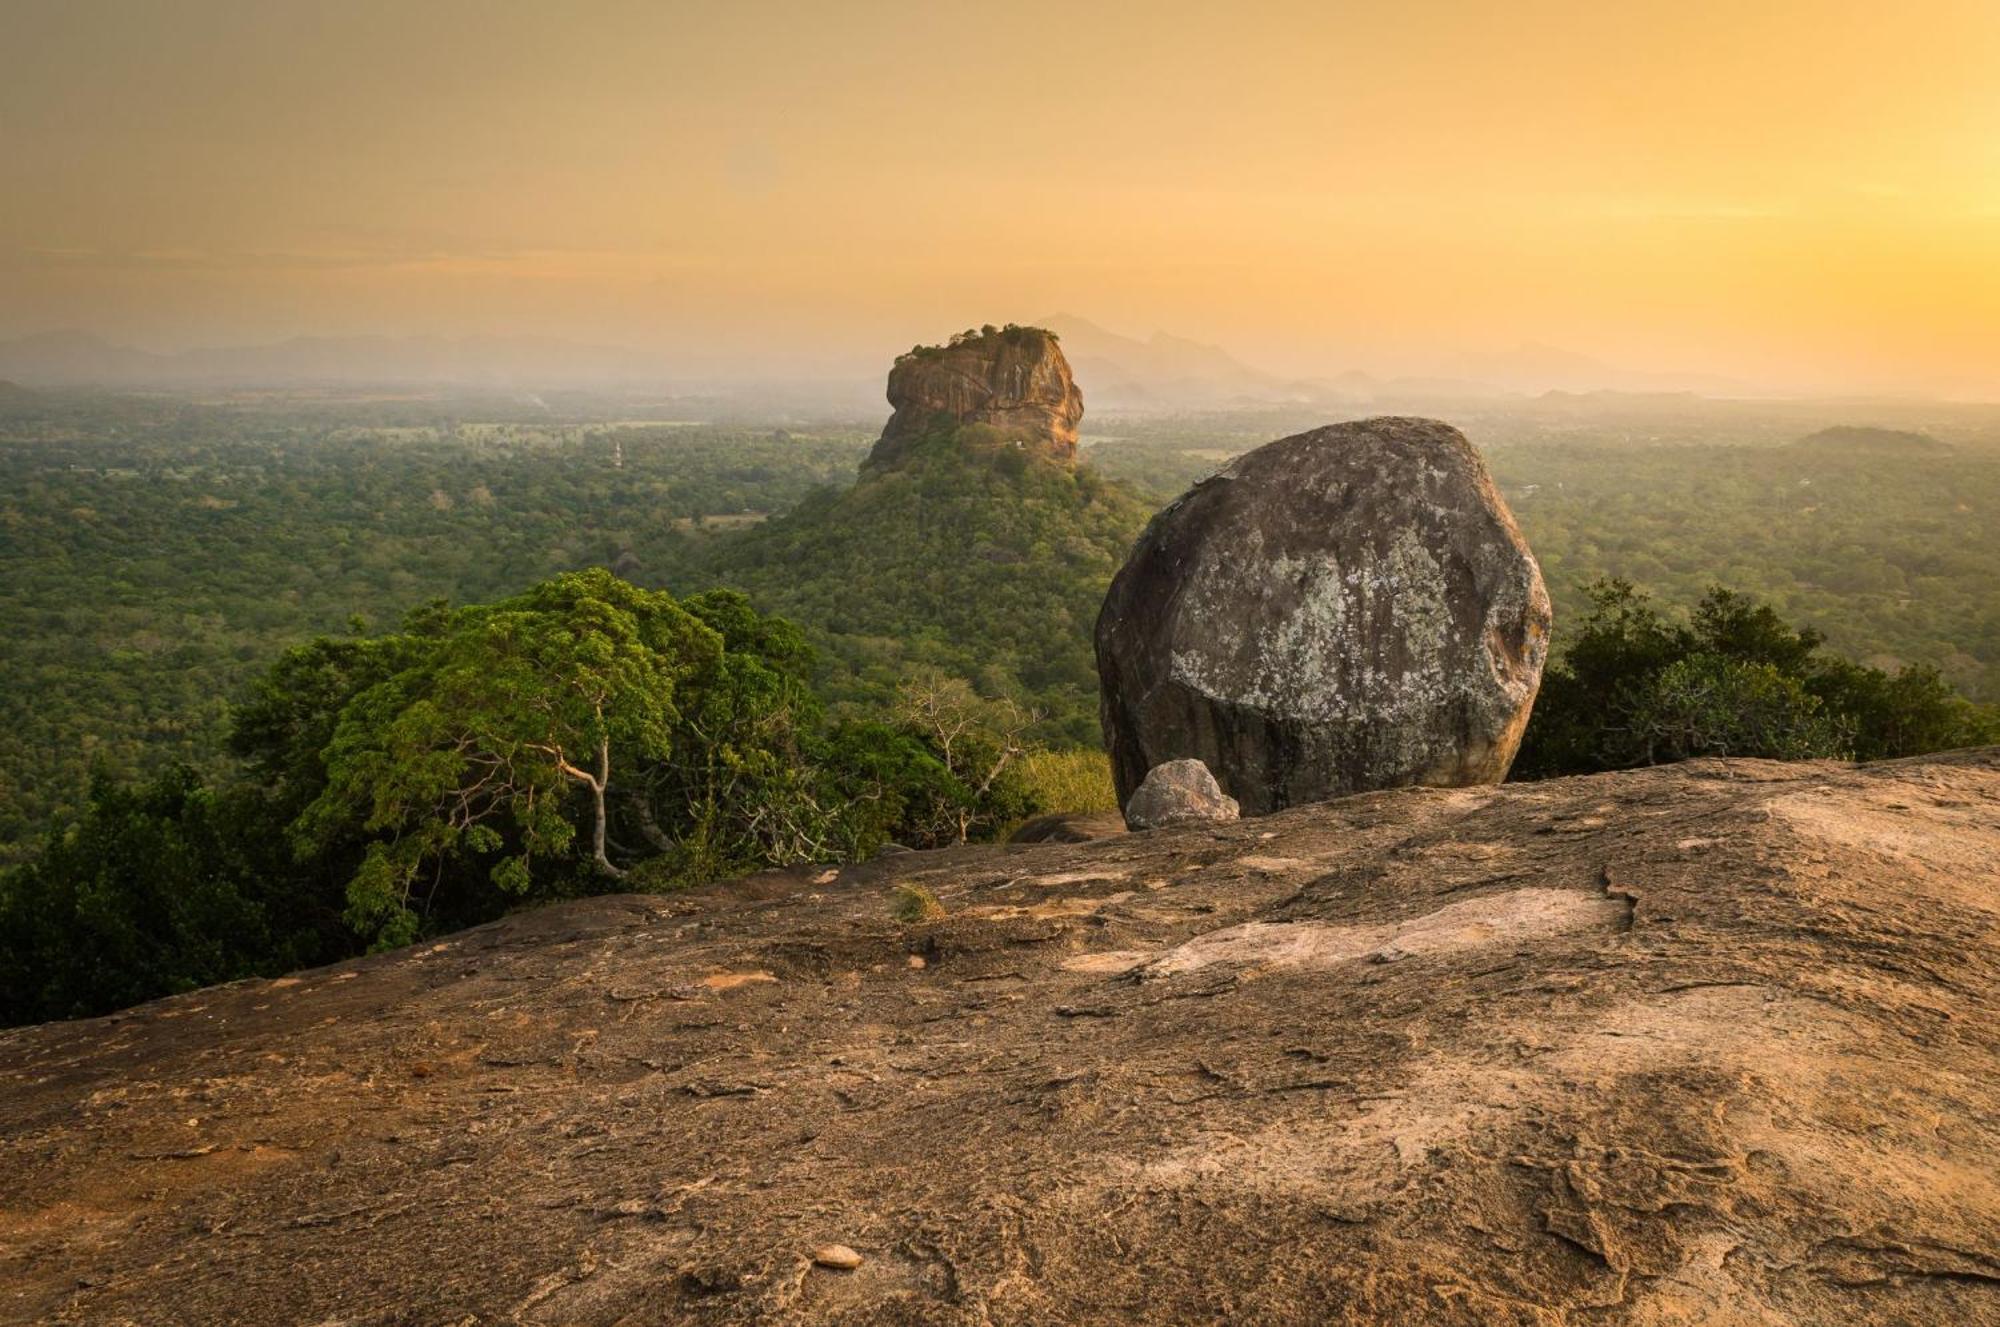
(889, 664)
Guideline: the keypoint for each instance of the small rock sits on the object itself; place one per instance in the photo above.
(1178, 792)
(916, 961)
(837, 1256)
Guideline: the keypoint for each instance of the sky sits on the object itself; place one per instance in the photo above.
(1805, 196)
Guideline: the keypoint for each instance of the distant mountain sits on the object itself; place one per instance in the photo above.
(15, 398)
(1855, 440)
(1170, 373)
(1533, 369)
(1119, 373)
(1162, 372)
(68, 359)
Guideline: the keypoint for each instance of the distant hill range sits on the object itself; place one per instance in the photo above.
(1533, 369)
(1854, 440)
(1167, 372)
(1124, 373)
(79, 359)
(1161, 373)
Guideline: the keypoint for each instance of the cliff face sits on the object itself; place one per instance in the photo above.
(1717, 1043)
(1015, 381)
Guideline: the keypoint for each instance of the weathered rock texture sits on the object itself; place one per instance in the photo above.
(1714, 1044)
(1178, 792)
(1070, 827)
(1015, 381)
(1344, 610)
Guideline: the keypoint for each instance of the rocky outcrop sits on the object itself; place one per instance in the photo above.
(1014, 381)
(1716, 1043)
(1069, 827)
(1348, 609)
(1178, 792)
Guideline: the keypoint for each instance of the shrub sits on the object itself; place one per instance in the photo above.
(914, 904)
(1637, 686)
(1069, 781)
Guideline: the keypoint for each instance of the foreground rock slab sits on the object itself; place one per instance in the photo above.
(1711, 1044)
(1339, 611)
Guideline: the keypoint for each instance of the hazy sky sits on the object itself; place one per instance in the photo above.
(1803, 193)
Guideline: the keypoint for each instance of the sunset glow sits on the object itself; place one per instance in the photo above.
(1802, 196)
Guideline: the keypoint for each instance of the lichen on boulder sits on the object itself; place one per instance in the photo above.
(1347, 609)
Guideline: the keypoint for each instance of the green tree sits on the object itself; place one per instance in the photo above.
(979, 743)
(156, 888)
(740, 785)
(1902, 714)
(1710, 704)
(475, 747)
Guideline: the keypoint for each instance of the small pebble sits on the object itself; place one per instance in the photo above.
(837, 1256)
(916, 960)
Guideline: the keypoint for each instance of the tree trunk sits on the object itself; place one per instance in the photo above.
(649, 825)
(597, 786)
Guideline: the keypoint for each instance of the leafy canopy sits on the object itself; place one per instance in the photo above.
(474, 745)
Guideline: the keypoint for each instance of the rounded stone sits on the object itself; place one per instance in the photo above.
(1178, 792)
(838, 1257)
(1347, 609)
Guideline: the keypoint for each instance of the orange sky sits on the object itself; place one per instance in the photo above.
(1801, 194)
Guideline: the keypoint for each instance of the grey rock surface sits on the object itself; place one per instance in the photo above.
(1070, 827)
(1343, 610)
(1178, 792)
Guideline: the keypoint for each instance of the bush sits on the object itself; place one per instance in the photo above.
(913, 904)
(1639, 687)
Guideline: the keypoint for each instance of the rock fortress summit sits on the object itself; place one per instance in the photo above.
(1011, 381)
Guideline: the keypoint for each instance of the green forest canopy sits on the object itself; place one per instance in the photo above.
(277, 784)
(155, 555)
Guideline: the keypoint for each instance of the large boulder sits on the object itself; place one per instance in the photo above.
(1348, 609)
(1014, 381)
(1178, 792)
